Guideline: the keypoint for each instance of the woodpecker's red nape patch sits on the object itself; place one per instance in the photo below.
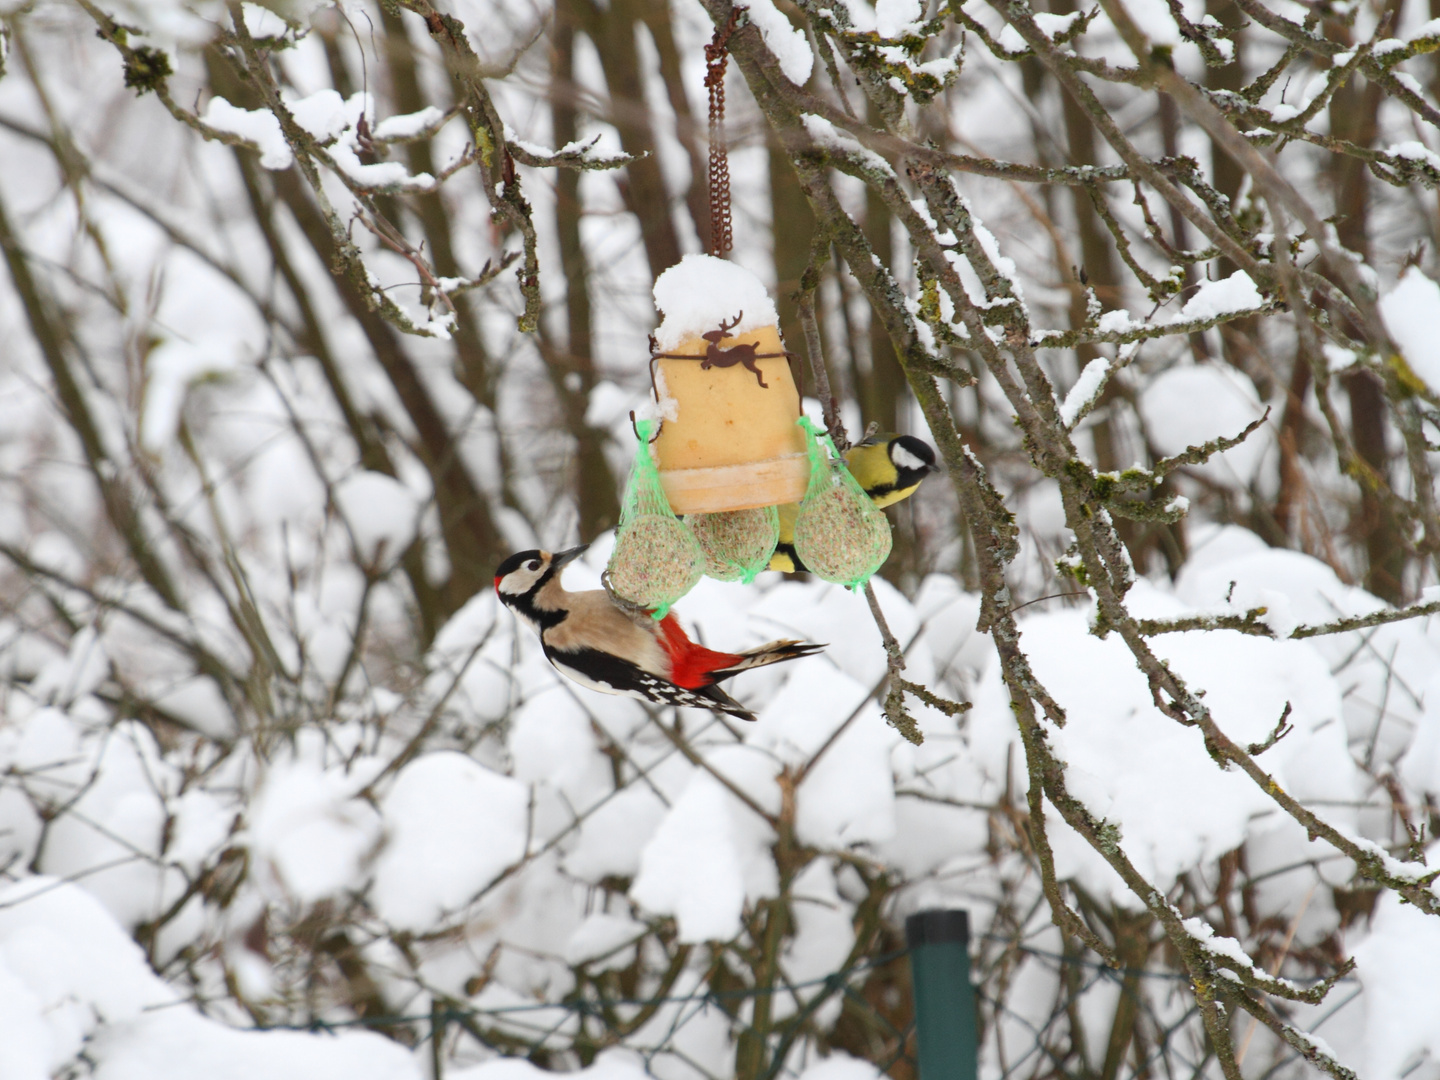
(498, 579)
(690, 664)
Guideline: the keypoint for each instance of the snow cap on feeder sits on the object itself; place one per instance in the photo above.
(726, 392)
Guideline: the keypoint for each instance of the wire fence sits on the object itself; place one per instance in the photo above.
(1172, 1043)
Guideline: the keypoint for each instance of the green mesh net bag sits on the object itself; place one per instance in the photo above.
(840, 534)
(737, 543)
(656, 558)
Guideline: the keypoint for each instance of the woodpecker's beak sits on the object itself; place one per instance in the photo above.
(562, 559)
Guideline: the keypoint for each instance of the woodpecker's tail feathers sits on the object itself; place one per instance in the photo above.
(704, 697)
(723, 702)
(773, 653)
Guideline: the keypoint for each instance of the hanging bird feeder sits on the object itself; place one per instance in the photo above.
(726, 392)
(732, 445)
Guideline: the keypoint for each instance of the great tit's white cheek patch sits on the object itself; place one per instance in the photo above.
(904, 459)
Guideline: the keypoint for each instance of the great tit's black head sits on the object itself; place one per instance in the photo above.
(914, 459)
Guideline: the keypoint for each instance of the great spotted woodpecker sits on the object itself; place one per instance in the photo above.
(599, 644)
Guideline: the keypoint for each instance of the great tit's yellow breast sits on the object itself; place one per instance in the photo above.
(784, 559)
(890, 498)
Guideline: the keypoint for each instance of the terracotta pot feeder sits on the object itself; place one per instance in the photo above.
(725, 391)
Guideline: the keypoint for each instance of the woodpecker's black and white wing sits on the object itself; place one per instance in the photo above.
(610, 674)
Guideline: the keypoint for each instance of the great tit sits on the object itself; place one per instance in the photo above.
(888, 467)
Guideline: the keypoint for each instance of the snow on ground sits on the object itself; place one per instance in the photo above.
(72, 980)
(499, 849)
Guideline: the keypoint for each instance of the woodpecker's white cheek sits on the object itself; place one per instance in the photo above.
(519, 582)
(904, 459)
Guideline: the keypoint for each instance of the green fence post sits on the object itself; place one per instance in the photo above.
(945, 1020)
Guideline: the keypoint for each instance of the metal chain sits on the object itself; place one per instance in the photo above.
(716, 58)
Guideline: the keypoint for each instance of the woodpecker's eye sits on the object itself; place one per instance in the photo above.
(533, 564)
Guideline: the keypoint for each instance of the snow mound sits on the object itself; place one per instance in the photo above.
(1383, 670)
(180, 1045)
(452, 826)
(1190, 405)
(841, 1066)
(1135, 767)
(308, 828)
(692, 869)
(1420, 767)
(71, 979)
(608, 1065)
(1411, 312)
(711, 852)
(1399, 967)
(382, 513)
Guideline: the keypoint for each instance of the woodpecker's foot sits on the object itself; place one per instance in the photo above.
(634, 610)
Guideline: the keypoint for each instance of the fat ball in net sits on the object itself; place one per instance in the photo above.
(656, 559)
(840, 534)
(737, 543)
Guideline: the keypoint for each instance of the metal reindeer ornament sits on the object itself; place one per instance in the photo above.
(744, 355)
